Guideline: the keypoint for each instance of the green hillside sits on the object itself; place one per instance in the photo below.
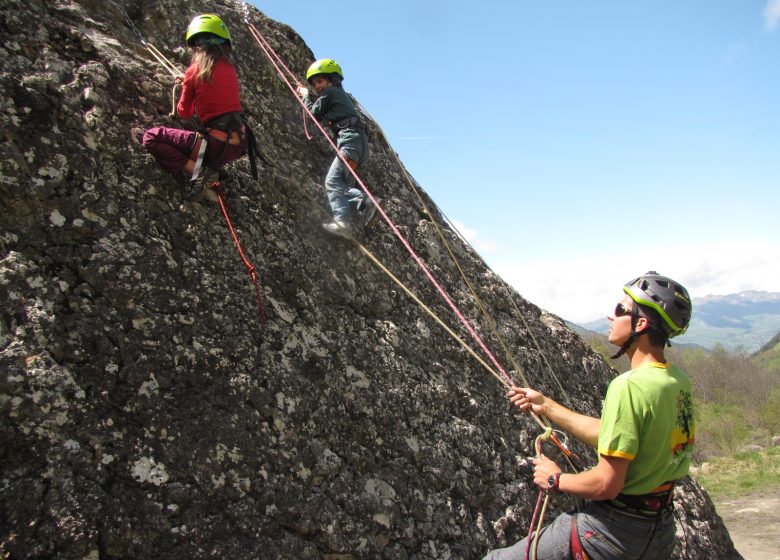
(769, 354)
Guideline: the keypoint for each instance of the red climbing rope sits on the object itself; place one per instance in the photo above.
(251, 269)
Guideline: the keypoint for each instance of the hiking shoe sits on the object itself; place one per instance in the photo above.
(342, 229)
(369, 215)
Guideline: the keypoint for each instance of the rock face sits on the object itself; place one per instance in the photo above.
(147, 412)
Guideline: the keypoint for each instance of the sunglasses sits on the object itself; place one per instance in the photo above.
(621, 310)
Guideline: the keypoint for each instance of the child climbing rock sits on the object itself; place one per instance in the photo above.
(210, 89)
(352, 209)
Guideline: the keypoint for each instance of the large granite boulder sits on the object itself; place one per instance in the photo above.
(148, 412)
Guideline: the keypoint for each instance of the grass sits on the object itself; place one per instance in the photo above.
(740, 473)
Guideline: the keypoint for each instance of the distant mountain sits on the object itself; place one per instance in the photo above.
(746, 320)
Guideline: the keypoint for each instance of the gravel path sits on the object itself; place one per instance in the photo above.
(753, 522)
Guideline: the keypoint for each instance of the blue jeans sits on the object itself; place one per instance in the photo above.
(605, 534)
(343, 195)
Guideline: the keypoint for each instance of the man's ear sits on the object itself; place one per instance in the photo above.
(642, 324)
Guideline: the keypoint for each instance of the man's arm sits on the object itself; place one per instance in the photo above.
(602, 482)
(584, 428)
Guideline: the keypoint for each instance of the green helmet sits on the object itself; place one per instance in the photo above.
(207, 23)
(325, 66)
(668, 298)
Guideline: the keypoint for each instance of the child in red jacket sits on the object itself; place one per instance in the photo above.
(210, 89)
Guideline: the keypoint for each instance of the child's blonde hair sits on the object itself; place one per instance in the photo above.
(206, 56)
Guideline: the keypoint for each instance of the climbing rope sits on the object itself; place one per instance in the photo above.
(433, 315)
(548, 431)
(543, 499)
(162, 60)
(276, 61)
(159, 57)
(172, 70)
(542, 353)
(119, 5)
(250, 268)
(570, 457)
(517, 311)
(485, 313)
(278, 64)
(491, 322)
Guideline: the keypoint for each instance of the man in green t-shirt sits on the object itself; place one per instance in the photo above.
(645, 438)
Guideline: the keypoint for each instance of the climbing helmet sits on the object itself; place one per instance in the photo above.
(207, 23)
(324, 66)
(667, 297)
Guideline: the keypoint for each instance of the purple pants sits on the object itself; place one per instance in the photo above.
(171, 147)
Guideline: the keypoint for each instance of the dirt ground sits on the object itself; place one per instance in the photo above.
(753, 522)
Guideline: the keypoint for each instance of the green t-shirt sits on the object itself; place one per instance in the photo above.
(648, 419)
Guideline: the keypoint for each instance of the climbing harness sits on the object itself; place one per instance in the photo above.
(228, 128)
(347, 122)
(217, 188)
(226, 125)
(575, 544)
(650, 505)
(197, 154)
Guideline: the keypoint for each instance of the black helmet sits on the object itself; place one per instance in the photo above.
(668, 298)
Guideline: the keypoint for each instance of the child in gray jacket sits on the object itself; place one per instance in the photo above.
(352, 209)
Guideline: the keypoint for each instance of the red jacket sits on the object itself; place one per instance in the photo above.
(209, 98)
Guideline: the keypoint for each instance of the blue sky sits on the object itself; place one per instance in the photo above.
(578, 144)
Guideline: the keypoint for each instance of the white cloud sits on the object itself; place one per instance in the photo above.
(483, 246)
(772, 14)
(587, 287)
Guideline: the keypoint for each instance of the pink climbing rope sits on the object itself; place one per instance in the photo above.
(276, 61)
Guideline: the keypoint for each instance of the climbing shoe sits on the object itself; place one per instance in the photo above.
(342, 229)
(369, 214)
(205, 184)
